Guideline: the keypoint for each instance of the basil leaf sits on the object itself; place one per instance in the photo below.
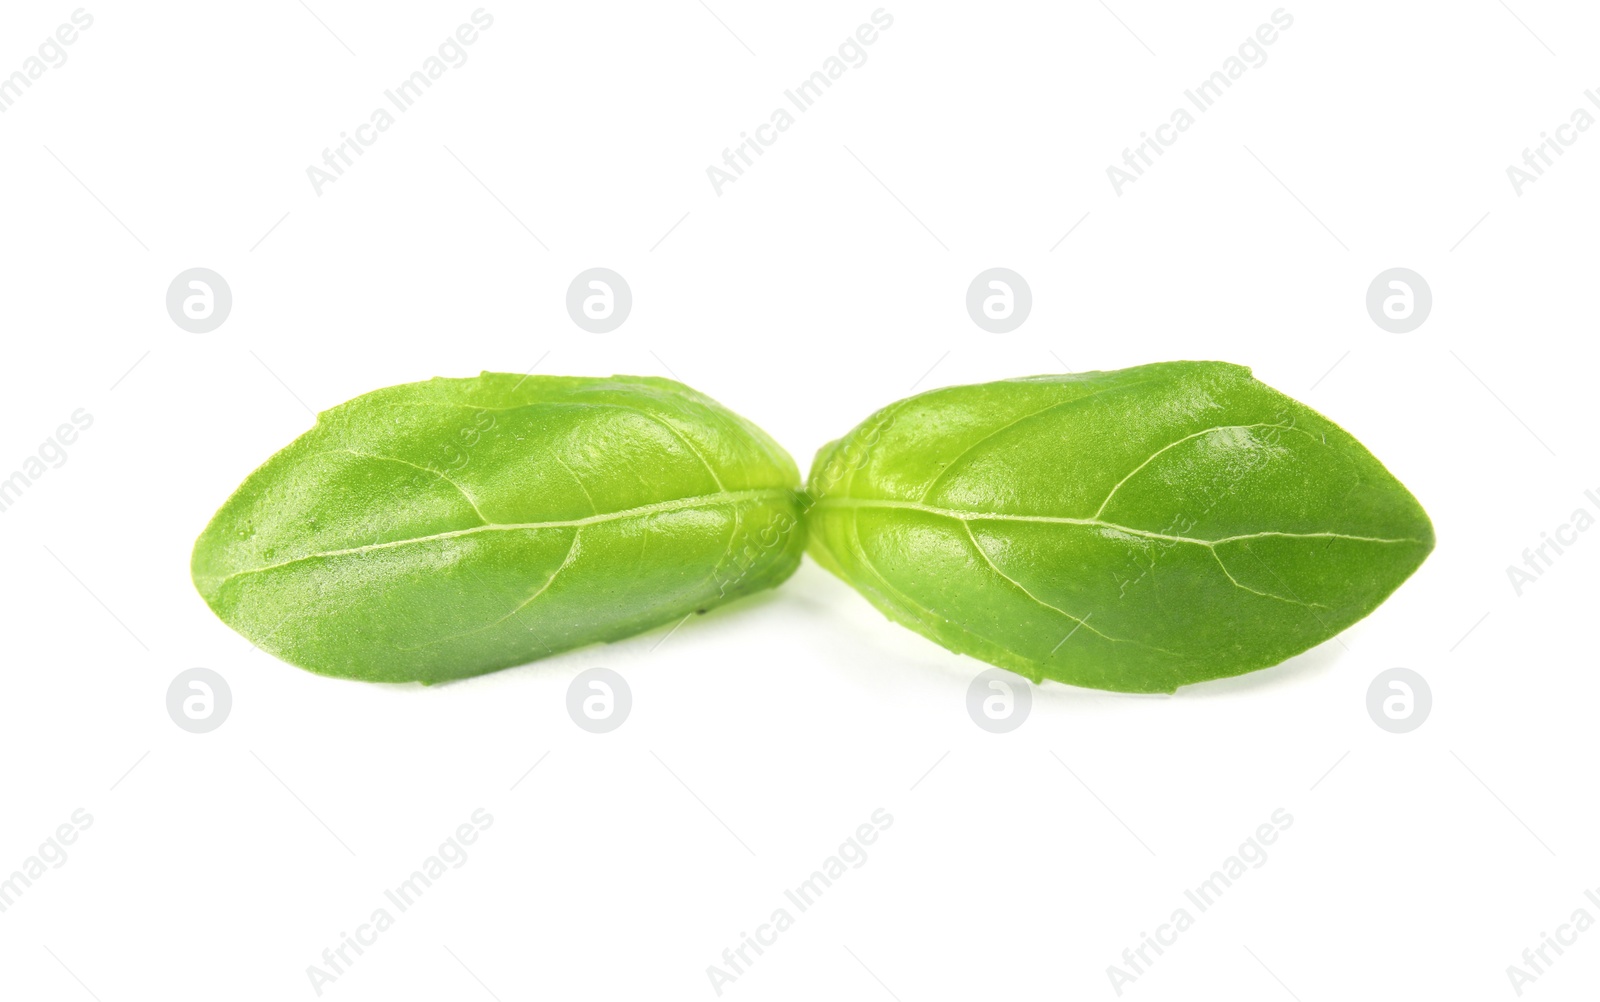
(1134, 530)
(448, 528)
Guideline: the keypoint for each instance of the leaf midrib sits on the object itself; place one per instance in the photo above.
(986, 516)
(659, 507)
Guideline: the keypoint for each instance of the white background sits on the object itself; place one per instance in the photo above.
(822, 285)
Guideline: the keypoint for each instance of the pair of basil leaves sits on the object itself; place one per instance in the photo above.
(1133, 530)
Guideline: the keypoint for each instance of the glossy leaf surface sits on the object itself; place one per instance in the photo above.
(1134, 530)
(448, 528)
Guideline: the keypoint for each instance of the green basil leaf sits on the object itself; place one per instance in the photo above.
(1134, 530)
(448, 528)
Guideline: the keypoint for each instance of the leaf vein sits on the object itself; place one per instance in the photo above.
(660, 507)
(1007, 427)
(405, 462)
(1152, 457)
(984, 516)
(1082, 621)
(1264, 594)
(572, 551)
